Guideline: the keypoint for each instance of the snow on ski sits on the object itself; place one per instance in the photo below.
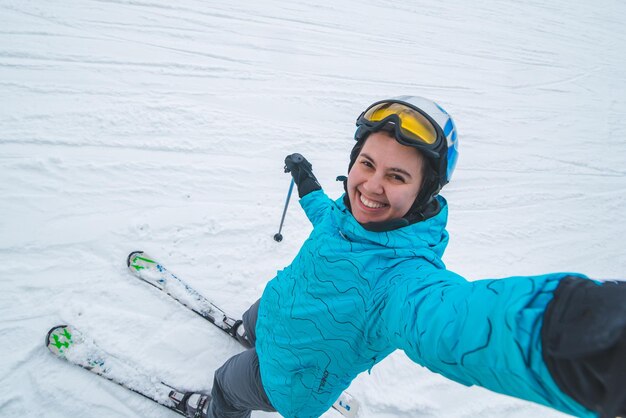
(68, 343)
(149, 270)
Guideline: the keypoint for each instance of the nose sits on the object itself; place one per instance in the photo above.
(374, 185)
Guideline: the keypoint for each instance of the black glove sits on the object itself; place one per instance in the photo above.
(302, 173)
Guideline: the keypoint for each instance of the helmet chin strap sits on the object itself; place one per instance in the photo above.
(386, 225)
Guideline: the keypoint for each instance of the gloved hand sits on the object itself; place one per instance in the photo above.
(302, 172)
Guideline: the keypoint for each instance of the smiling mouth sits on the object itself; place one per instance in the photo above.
(370, 203)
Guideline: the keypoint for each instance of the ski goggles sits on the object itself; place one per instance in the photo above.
(412, 126)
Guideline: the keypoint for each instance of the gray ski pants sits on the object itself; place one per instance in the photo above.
(237, 387)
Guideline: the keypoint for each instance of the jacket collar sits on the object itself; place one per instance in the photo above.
(429, 235)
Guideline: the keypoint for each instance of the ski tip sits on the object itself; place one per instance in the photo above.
(52, 331)
(347, 405)
(130, 257)
(59, 339)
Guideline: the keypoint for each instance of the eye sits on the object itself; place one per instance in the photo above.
(367, 163)
(398, 178)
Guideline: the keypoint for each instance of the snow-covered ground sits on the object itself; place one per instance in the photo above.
(162, 125)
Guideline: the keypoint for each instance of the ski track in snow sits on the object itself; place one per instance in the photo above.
(147, 124)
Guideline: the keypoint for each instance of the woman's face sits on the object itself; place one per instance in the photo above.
(384, 180)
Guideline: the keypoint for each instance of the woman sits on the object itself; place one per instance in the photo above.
(370, 280)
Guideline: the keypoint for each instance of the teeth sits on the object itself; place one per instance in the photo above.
(370, 204)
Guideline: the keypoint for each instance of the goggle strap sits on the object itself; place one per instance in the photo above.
(375, 127)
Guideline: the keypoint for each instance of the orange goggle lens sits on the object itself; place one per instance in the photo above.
(413, 125)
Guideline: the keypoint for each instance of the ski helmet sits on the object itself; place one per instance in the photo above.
(419, 123)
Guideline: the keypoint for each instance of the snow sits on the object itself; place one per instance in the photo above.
(162, 126)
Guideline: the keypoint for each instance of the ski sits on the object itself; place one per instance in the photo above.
(74, 346)
(152, 272)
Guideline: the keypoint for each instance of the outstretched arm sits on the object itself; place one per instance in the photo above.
(486, 332)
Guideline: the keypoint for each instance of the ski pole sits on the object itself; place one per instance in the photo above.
(278, 237)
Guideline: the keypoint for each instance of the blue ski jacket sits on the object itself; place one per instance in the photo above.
(351, 297)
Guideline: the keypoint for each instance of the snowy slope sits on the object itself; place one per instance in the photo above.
(162, 125)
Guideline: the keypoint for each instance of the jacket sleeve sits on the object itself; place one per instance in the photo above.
(485, 332)
(316, 205)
